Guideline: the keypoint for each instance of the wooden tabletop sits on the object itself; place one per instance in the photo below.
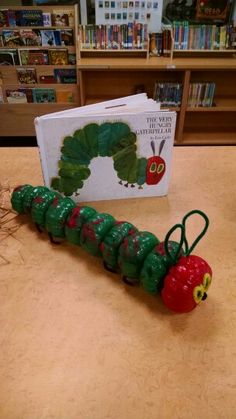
(76, 343)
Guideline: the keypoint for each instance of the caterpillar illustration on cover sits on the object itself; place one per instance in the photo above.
(114, 140)
(165, 267)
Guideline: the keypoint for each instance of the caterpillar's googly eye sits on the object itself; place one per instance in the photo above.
(206, 281)
(198, 293)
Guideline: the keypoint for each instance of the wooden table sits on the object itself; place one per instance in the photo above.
(76, 343)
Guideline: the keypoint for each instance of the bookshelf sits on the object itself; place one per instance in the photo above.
(107, 78)
(66, 94)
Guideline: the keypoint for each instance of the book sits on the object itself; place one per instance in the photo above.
(50, 37)
(11, 38)
(3, 18)
(60, 18)
(16, 96)
(29, 17)
(1, 95)
(64, 96)
(26, 75)
(47, 21)
(67, 37)
(8, 57)
(64, 75)
(41, 95)
(30, 37)
(116, 149)
(212, 9)
(47, 79)
(58, 56)
(33, 56)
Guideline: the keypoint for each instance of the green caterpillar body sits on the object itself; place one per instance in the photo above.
(182, 279)
(138, 256)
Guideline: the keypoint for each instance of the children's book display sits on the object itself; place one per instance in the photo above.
(116, 149)
(165, 267)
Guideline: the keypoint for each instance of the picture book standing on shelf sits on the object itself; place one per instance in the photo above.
(116, 149)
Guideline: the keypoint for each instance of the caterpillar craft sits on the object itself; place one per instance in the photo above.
(165, 267)
(114, 140)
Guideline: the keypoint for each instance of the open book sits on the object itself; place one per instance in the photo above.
(120, 148)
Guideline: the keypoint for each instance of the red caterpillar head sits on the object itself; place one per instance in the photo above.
(189, 279)
(156, 166)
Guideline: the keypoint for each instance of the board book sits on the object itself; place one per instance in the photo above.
(116, 149)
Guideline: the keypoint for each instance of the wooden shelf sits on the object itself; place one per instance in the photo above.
(209, 138)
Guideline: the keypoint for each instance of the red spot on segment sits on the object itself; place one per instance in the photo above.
(71, 223)
(131, 232)
(119, 222)
(126, 243)
(136, 244)
(98, 221)
(160, 248)
(101, 246)
(55, 202)
(88, 232)
(38, 200)
(18, 188)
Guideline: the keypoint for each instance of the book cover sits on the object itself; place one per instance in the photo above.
(64, 96)
(112, 150)
(16, 96)
(8, 57)
(30, 17)
(51, 37)
(47, 21)
(41, 95)
(33, 56)
(47, 79)
(11, 38)
(26, 75)
(3, 18)
(60, 18)
(30, 37)
(1, 95)
(64, 75)
(212, 9)
(67, 37)
(11, 18)
(58, 56)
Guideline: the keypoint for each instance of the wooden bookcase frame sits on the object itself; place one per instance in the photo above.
(18, 119)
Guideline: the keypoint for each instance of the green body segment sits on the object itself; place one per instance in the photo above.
(133, 251)
(30, 195)
(18, 196)
(112, 241)
(56, 216)
(156, 266)
(75, 221)
(40, 205)
(94, 231)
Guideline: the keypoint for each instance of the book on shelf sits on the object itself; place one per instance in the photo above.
(41, 95)
(168, 93)
(30, 37)
(212, 10)
(201, 94)
(58, 56)
(1, 95)
(47, 20)
(64, 96)
(33, 56)
(47, 79)
(9, 57)
(26, 75)
(16, 96)
(12, 38)
(116, 149)
(50, 37)
(127, 36)
(67, 37)
(32, 17)
(60, 18)
(64, 75)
